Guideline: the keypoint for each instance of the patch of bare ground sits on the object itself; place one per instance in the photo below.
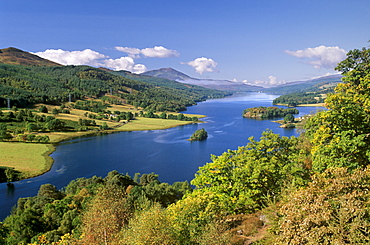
(247, 228)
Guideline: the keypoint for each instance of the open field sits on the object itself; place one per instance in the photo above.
(28, 158)
(142, 123)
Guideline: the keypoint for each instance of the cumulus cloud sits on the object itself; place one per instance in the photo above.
(156, 52)
(84, 57)
(159, 52)
(270, 82)
(124, 63)
(202, 65)
(91, 58)
(321, 56)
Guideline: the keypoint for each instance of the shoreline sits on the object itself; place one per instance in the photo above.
(305, 105)
(59, 137)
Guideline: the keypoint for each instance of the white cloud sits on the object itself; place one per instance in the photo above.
(271, 82)
(124, 63)
(91, 58)
(85, 57)
(159, 52)
(202, 65)
(156, 52)
(321, 56)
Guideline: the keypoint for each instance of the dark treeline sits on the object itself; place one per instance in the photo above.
(263, 112)
(295, 99)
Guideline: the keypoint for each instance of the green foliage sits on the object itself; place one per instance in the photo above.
(333, 209)
(262, 112)
(289, 118)
(200, 134)
(96, 207)
(295, 99)
(10, 174)
(243, 180)
(150, 226)
(340, 135)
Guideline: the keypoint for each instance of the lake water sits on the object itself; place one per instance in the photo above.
(164, 152)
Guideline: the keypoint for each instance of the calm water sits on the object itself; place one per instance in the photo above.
(165, 152)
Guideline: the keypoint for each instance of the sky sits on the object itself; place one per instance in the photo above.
(262, 42)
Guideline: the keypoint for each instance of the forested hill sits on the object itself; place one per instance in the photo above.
(305, 86)
(25, 85)
(16, 56)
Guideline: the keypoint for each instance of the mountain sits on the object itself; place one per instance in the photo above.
(223, 85)
(168, 73)
(14, 56)
(313, 85)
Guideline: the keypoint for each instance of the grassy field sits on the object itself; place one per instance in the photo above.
(142, 123)
(29, 159)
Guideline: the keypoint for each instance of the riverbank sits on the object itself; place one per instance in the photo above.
(33, 159)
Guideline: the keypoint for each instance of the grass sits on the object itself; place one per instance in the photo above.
(142, 123)
(29, 159)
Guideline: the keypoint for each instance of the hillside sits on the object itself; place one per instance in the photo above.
(168, 73)
(313, 92)
(223, 85)
(305, 86)
(52, 85)
(14, 56)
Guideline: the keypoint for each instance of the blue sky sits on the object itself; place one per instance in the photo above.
(258, 42)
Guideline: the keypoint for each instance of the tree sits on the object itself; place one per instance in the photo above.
(243, 180)
(43, 109)
(50, 191)
(200, 134)
(55, 124)
(10, 174)
(30, 127)
(4, 135)
(151, 226)
(340, 136)
(106, 216)
(289, 118)
(104, 126)
(333, 209)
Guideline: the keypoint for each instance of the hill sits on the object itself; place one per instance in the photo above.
(311, 92)
(168, 73)
(14, 56)
(25, 85)
(305, 86)
(223, 85)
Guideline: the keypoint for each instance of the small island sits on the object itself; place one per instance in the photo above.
(200, 134)
(263, 112)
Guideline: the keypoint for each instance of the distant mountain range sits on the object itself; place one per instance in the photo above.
(16, 56)
(223, 85)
